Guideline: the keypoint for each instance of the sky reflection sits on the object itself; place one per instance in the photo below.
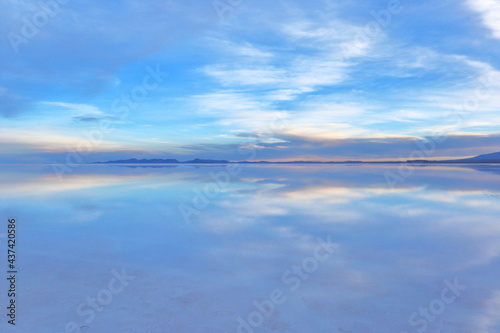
(394, 247)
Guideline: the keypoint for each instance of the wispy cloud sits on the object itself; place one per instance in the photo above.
(79, 108)
(312, 55)
(83, 112)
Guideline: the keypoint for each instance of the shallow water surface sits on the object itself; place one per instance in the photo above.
(264, 248)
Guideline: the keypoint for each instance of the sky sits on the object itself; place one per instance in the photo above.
(86, 81)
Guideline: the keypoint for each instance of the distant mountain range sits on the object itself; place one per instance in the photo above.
(486, 158)
(161, 161)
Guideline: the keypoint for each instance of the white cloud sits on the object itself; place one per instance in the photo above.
(312, 55)
(78, 108)
(302, 72)
(245, 49)
(490, 13)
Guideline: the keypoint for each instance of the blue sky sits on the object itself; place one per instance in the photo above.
(248, 79)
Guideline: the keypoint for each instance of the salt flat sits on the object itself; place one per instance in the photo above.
(262, 249)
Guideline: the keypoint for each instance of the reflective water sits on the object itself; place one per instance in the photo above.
(262, 249)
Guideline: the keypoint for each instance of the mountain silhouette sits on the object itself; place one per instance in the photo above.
(491, 158)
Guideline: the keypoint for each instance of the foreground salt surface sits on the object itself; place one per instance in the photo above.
(394, 249)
